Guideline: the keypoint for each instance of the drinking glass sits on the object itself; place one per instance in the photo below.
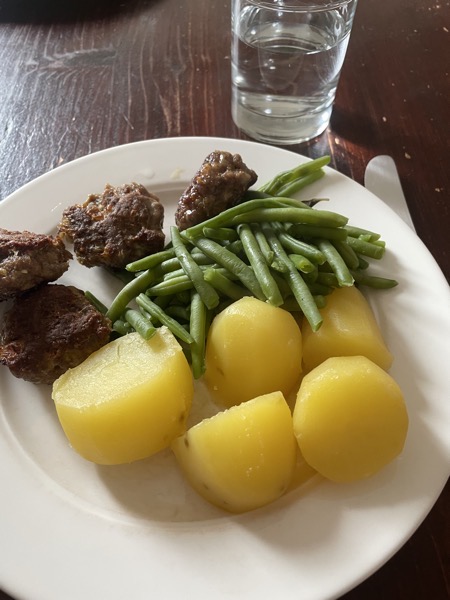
(287, 57)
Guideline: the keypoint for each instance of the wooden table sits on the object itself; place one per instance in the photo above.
(79, 77)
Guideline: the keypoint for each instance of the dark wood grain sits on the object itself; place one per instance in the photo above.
(80, 78)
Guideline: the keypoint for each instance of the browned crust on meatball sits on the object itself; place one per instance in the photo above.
(48, 330)
(219, 184)
(116, 227)
(28, 259)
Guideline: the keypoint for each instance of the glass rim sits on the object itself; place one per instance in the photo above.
(301, 5)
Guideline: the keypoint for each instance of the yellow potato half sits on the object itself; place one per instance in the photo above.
(252, 349)
(349, 328)
(350, 418)
(242, 458)
(128, 400)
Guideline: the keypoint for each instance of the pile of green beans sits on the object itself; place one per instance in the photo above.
(270, 246)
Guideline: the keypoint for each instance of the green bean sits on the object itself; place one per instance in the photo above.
(180, 272)
(222, 271)
(373, 281)
(168, 266)
(305, 299)
(174, 274)
(170, 286)
(291, 304)
(362, 263)
(178, 312)
(282, 179)
(173, 264)
(141, 324)
(224, 218)
(207, 293)
(365, 237)
(219, 234)
(279, 266)
(283, 285)
(198, 255)
(262, 243)
(224, 285)
(232, 263)
(290, 215)
(128, 293)
(309, 251)
(259, 265)
(302, 230)
(235, 247)
(373, 250)
(310, 277)
(122, 327)
(155, 311)
(302, 263)
(357, 231)
(295, 186)
(336, 263)
(289, 191)
(96, 303)
(197, 328)
(148, 262)
(296, 282)
(328, 279)
(348, 254)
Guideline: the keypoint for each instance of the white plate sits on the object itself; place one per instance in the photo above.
(71, 530)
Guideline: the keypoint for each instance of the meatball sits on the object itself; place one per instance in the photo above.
(219, 184)
(48, 330)
(116, 227)
(29, 259)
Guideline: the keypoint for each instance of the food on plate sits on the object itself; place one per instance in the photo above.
(28, 259)
(276, 249)
(48, 330)
(110, 229)
(350, 418)
(287, 183)
(126, 401)
(242, 458)
(220, 182)
(349, 328)
(253, 285)
(252, 349)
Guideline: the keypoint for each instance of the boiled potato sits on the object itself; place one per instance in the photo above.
(349, 328)
(252, 348)
(242, 458)
(128, 400)
(350, 419)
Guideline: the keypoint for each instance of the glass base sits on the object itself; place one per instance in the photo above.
(280, 124)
